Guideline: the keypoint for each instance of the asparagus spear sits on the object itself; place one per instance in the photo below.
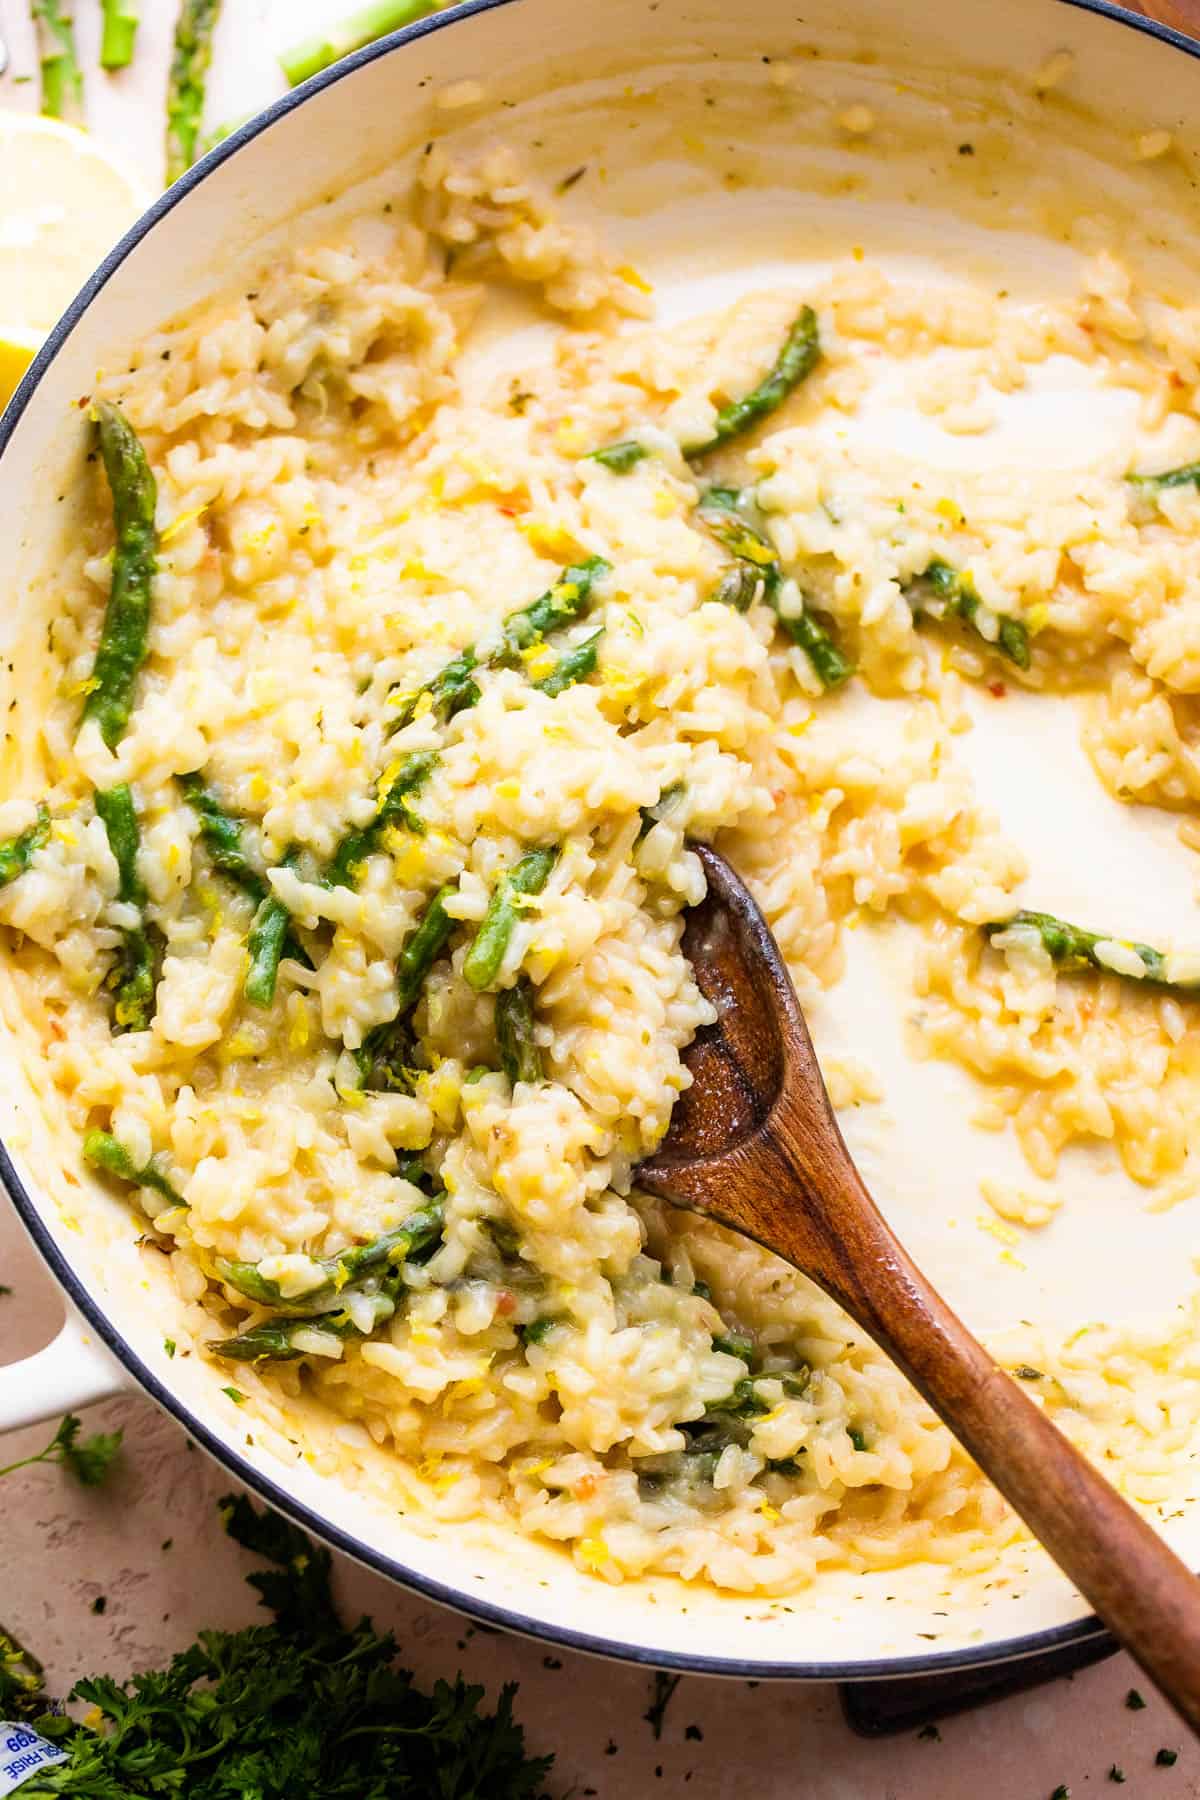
(520, 1057)
(274, 1340)
(270, 931)
(454, 687)
(413, 1241)
(106, 1153)
(387, 1052)
(799, 356)
(190, 59)
(123, 636)
(62, 78)
(528, 876)
(134, 977)
(797, 359)
(953, 592)
(115, 807)
(757, 568)
(424, 947)
(222, 834)
(1073, 950)
(575, 665)
(359, 28)
(120, 29)
(1187, 475)
(392, 793)
(17, 853)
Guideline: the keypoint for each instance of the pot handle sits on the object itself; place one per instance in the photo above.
(73, 1371)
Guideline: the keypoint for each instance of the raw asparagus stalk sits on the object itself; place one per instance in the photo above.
(454, 687)
(415, 1240)
(190, 59)
(62, 78)
(393, 790)
(797, 359)
(386, 1054)
(757, 569)
(520, 1057)
(355, 31)
(1186, 475)
(125, 632)
(121, 19)
(953, 592)
(17, 853)
(575, 665)
(528, 876)
(106, 1153)
(1074, 950)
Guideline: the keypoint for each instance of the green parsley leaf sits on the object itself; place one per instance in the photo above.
(1134, 1701)
(1166, 1759)
(88, 1459)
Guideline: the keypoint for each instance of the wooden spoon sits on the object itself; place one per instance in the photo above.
(754, 1144)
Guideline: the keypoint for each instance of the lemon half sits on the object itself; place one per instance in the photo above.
(65, 199)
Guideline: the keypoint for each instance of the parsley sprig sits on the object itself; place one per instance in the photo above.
(304, 1705)
(88, 1459)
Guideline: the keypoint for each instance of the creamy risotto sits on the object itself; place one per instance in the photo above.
(344, 902)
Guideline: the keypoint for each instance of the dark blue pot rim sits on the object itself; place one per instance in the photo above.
(1006, 1650)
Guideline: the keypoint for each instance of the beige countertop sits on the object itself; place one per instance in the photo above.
(150, 1542)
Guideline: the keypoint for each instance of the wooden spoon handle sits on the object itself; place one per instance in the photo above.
(1120, 1565)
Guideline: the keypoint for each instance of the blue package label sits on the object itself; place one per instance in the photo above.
(22, 1754)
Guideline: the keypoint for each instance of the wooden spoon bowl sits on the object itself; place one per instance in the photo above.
(754, 1144)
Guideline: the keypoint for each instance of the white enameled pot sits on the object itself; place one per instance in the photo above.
(536, 68)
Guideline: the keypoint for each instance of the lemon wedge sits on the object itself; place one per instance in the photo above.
(65, 199)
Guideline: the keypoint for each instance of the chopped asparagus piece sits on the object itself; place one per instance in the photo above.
(222, 834)
(134, 977)
(62, 78)
(424, 947)
(114, 806)
(386, 1056)
(520, 1057)
(621, 457)
(575, 665)
(953, 592)
(194, 27)
(797, 359)
(1186, 475)
(121, 18)
(1073, 950)
(106, 1153)
(538, 1330)
(528, 876)
(454, 688)
(274, 1340)
(270, 930)
(413, 1241)
(560, 605)
(124, 634)
(392, 794)
(360, 28)
(757, 570)
(17, 853)
(663, 806)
